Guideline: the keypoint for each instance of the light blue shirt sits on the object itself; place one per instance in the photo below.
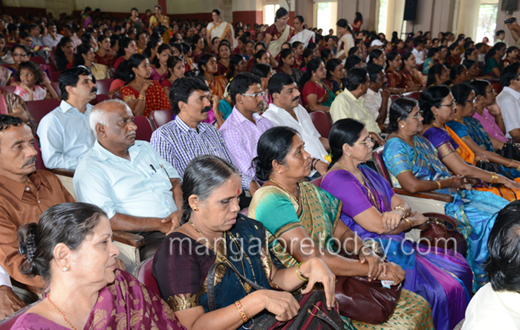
(65, 136)
(138, 187)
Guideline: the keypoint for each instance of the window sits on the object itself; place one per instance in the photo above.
(270, 13)
(383, 15)
(487, 18)
(326, 16)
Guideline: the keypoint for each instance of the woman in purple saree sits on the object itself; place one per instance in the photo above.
(71, 248)
(442, 277)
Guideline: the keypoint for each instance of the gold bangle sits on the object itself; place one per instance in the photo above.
(299, 274)
(438, 184)
(409, 222)
(512, 161)
(141, 97)
(399, 207)
(241, 311)
(494, 177)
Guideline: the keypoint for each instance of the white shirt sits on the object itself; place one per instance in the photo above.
(138, 187)
(419, 56)
(373, 102)
(310, 135)
(509, 102)
(490, 309)
(4, 278)
(65, 136)
(49, 42)
(305, 36)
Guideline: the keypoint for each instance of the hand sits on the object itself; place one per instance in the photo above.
(417, 218)
(376, 265)
(171, 222)
(494, 109)
(215, 101)
(316, 270)
(253, 187)
(511, 184)
(480, 158)
(393, 273)
(391, 220)
(385, 94)
(9, 302)
(281, 304)
(120, 264)
(46, 80)
(377, 139)
(147, 83)
(26, 88)
(321, 167)
(456, 181)
(112, 52)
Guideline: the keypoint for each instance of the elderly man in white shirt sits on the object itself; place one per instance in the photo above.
(509, 100)
(65, 134)
(286, 110)
(139, 190)
(301, 33)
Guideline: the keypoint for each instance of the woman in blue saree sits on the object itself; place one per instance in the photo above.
(375, 212)
(413, 164)
(470, 130)
(214, 232)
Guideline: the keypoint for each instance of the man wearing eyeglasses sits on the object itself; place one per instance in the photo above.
(509, 100)
(244, 126)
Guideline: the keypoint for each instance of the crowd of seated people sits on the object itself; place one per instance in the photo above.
(246, 138)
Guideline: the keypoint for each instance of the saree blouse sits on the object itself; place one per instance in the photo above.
(490, 125)
(322, 91)
(155, 98)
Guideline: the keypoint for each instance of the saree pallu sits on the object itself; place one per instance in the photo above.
(275, 45)
(218, 86)
(107, 60)
(395, 79)
(442, 277)
(475, 211)
(415, 77)
(318, 212)
(155, 98)
(324, 95)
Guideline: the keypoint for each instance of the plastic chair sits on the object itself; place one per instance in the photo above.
(161, 117)
(9, 88)
(56, 86)
(103, 86)
(39, 109)
(321, 122)
(144, 274)
(412, 95)
(144, 128)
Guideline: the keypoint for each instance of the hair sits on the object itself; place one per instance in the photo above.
(171, 63)
(468, 63)
(98, 115)
(352, 61)
(351, 51)
(499, 32)
(261, 70)
(359, 17)
(182, 89)
(102, 37)
(456, 70)
(343, 23)
(494, 49)
(436, 69)
(343, 131)
(25, 49)
(281, 12)
(203, 175)
(332, 64)
(70, 77)
(216, 11)
(34, 68)
(123, 43)
(296, 44)
(461, 93)
(162, 48)
(374, 54)
(82, 49)
(203, 61)
(468, 52)
(67, 223)
(114, 38)
(399, 110)
(284, 54)
(313, 65)
(433, 51)
(390, 57)
(274, 144)
(8, 121)
(63, 41)
(432, 97)
(278, 81)
(300, 18)
(241, 83)
(511, 49)
(479, 86)
(133, 62)
(259, 55)
(234, 60)
(503, 264)
(185, 47)
(158, 7)
(356, 77)
(373, 71)
(508, 73)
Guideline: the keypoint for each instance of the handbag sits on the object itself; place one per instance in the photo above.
(509, 151)
(490, 167)
(313, 313)
(439, 235)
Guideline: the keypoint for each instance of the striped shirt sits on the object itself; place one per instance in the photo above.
(178, 144)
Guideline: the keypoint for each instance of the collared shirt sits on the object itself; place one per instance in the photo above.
(178, 143)
(65, 136)
(419, 56)
(347, 105)
(21, 204)
(50, 42)
(373, 102)
(490, 309)
(241, 137)
(310, 135)
(509, 102)
(139, 187)
(37, 41)
(5, 280)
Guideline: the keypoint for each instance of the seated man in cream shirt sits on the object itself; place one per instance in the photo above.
(351, 104)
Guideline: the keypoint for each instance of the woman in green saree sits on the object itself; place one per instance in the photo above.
(304, 221)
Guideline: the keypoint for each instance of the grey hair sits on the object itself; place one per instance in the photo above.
(98, 114)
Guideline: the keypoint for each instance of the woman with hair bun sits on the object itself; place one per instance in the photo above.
(71, 248)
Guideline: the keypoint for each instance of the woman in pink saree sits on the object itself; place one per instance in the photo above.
(71, 248)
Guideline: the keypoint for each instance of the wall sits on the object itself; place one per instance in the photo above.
(501, 16)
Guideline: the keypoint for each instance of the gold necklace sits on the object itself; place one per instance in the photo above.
(211, 246)
(287, 191)
(435, 124)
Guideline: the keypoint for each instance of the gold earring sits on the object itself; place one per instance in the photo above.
(195, 209)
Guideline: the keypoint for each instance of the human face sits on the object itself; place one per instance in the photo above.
(241, 66)
(197, 108)
(250, 103)
(143, 39)
(298, 26)
(216, 42)
(289, 97)
(283, 20)
(473, 71)
(473, 56)
(381, 60)
(361, 151)
(249, 48)
(331, 43)
(200, 43)
(175, 52)
(134, 13)
(468, 109)
(211, 66)
(163, 57)
(215, 17)
(501, 52)
(17, 154)
(143, 70)
(105, 44)
(381, 81)
(513, 54)
(120, 132)
(490, 96)
(265, 58)
(297, 163)
(396, 63)
(413, 124)
(443, 52)
(339, 72)
(19, 56)
(2, 44)
(157, 11)
(321, 72)
(52, 29)
(444, 76)
(27, 77)
(410, 63)
(341, 30)
(178, 70)
(463, 75)
(94, 262)
(27, 41)
(85, 89)
(444, 112)
(90, 56)
(219, 211)
(67, 33)
(131, 49)
(289, 60)
(223, 52)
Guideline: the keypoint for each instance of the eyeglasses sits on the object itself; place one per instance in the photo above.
(366, 141)
(255, 95)
(19, 55)
(419, 114)
(448, 105)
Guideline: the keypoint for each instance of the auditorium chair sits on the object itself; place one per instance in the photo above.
(412, 95)
(144, 274)
(423, 202)
(144, 128)
(8, 322)
(394, 97)
(38, 60)
(39, 109)
(9, 88)
(56, 86)
(103, 86)
(161, 117)
(321, 122)
(100, 98)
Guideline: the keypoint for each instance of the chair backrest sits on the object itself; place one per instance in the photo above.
(412, 95)
(380, 164)
(54, 76)
(9, 88)
(39, 160)
(317, 181)
(100, 98)
(7, 323)
(321, 122)
(144, 275)
(144, 128)
(39, 109)
(38, 60)
(394, 97)
(161, 117)
(56, 86)
(103, 86)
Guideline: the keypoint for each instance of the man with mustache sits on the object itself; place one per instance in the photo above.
(187, 136)
(244, 126)
(25, 193)
(286, 110)
(377, 98)
(65, 134)
(139, 191)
